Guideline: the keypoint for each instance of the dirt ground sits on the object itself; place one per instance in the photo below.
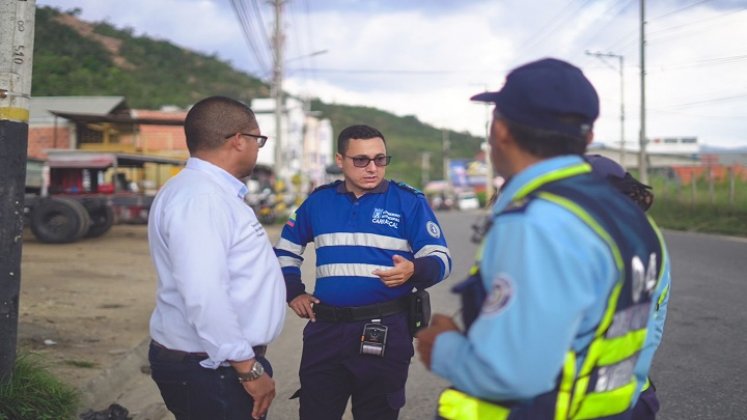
(84, 305)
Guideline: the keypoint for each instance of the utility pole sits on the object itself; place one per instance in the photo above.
(445, 145)
(642, 160)
(16, 54)
(277, 85)
(425, 168)
(621, 61)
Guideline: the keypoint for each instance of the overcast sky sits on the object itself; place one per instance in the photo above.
(426, 58)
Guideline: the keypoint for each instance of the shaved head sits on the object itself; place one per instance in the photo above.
(212, 119)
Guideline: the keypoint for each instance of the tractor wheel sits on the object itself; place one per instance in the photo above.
(59, 220)
(102, 219)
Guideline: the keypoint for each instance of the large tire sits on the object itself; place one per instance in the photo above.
(102, 219)
(59, 220)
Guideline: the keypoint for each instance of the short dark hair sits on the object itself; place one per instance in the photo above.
(545, 143)
(211, 119)
(359, 131)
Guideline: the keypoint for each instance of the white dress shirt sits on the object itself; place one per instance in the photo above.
(220, 288)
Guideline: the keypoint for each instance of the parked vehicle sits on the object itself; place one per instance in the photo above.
(76, 194)
(467, 200)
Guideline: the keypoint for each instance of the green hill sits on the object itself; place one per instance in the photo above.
(73, 57)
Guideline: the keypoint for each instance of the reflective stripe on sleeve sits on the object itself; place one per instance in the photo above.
(438, 251)
(289, 262)
(286, 245)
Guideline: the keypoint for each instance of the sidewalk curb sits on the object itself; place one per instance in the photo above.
(104, 389)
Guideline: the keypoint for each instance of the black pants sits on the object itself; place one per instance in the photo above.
(192, 392)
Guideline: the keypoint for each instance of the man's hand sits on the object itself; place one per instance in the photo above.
(262, 391)
(303, 306)
(427, 336)
(397, 275)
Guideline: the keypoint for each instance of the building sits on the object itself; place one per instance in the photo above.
(306, 141)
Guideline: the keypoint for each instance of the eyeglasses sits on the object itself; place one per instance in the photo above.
(363, 161)
(261, 140)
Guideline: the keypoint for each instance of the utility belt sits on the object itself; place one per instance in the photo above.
(417, 305)
(360, 313)
(170, 355)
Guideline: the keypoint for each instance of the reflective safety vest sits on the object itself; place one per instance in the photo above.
(603, 385)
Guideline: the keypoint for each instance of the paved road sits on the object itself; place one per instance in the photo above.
(700, 369)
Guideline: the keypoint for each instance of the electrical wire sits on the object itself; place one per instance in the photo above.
(242, 16)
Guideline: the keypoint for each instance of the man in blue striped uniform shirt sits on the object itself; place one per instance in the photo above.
(375, 241)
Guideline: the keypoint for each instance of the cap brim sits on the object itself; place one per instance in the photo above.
(486, 97)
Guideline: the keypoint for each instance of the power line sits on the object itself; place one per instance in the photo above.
(242, 16)
(554, 23)
(699, 21)
(622, 6)
(710, 101)
(706, 62)
(261, 23)
(672, 12)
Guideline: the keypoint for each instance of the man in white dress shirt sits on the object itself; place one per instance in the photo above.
(221, 294)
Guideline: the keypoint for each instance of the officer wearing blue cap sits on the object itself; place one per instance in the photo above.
(556, 307)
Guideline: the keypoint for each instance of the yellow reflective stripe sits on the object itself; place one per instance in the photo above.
(579, 392)
(604, 404)
(456, 405)
(620, 348)
(581, 168)
(14, 114)
(565, 388)
(476, 266)
(647, 385)
(662, 296)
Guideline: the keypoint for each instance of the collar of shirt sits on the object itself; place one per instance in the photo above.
(227, 181)
(379, 189)
(530, 173)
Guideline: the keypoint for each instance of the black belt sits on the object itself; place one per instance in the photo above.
(359, 313)
(180, 356)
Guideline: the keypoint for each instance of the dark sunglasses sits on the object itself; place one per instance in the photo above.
(363, 161)
(261, 140)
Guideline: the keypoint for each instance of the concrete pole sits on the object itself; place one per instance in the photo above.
(16, 54)
(642, 160)
(277, 86)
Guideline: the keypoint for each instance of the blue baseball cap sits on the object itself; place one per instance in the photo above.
(543, 94)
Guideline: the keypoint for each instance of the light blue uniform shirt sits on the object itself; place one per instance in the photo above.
(548, 277)
(220, 288)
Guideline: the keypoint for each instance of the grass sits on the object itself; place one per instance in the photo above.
(34, 394)
(701, 207)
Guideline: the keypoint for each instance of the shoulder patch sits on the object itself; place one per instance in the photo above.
(333, 184)
(407, 187)
(433, 229)
(499, 295)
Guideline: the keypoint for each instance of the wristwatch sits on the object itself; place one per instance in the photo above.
(255, 373)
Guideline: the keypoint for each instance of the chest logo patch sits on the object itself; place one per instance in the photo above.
(499, 295)
(433, 229)
(383, 217)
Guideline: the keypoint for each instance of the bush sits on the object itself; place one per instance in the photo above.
(34, 394)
